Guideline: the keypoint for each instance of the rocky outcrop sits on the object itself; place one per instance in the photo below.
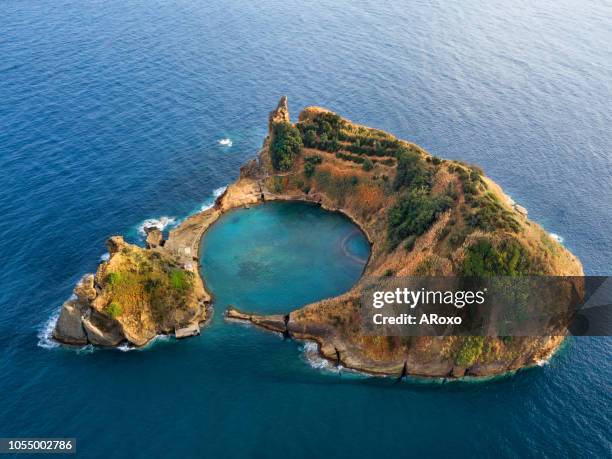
(100, 312)
(279, 115)
(69, 328)
(102, 330)
(115, 244)
(154, 238)
(440, 251)
(134, 296)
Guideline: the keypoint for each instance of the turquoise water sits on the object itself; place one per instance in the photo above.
(110, 115)
(279, 256)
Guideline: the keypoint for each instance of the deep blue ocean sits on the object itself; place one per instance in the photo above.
(111, 114)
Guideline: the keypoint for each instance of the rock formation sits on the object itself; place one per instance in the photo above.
(474, 217)
(466, 226)
(134, 296)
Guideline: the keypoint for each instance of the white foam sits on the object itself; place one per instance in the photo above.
(160, 223)
(127, 347)
(105, 256)
(225, 142)
(314, 359)
(45, 334)
(211, 201)
(557, 238)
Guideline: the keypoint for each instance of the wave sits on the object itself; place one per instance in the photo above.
(225, 142)
(45, 334)
(211, 201)
(160, 223)
(557, 238)
(314, 359)
(127, 347)
(105, 256)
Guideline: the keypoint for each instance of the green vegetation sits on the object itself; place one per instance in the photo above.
(470, 350)
(483, 259)
(414, 214)
(412, 172)
(488, 214)
(285, 147)
(329, 132)
(180, 279)
(322, 132)
(310, 163)
(114, 278)
(146, 279)
(114, 309)
(352, 158)
(368, 165)
(409, 244)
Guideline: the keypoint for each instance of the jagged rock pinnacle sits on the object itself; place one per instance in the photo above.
(280, 114)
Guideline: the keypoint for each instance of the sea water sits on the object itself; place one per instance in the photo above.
(110, 116)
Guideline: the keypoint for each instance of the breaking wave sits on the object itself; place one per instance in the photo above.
(160, 223)
(557, 238)
(211, 201)
(45, 334)
(311, 355)
(225, 142)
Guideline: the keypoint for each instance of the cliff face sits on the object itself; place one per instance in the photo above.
(134, 296)
(425, 216)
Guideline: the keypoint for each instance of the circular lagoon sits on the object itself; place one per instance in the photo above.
(278, 256)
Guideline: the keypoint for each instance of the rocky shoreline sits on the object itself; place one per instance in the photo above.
(82, 320)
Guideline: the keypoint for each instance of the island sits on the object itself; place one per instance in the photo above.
(423, 216)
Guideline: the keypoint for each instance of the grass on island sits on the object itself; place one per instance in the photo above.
(138, 280)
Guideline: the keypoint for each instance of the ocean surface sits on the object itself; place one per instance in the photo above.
(113, 114)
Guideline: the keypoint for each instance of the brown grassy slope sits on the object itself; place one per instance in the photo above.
(368, 197)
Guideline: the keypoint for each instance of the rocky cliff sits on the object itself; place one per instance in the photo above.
(425, 216)
(134, 296)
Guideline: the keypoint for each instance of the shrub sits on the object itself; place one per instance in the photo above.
(490, 215)
(309, 169)
(409, 244)
(114, 309)
(482, 259)
(411, 171)
(414, 214)
(470, 350)
(286, 145)
(314, 159)
(310, 138)
(114, 278)
(355, 159)
(367, 165)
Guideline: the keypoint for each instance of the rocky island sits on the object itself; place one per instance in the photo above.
(423, 215)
